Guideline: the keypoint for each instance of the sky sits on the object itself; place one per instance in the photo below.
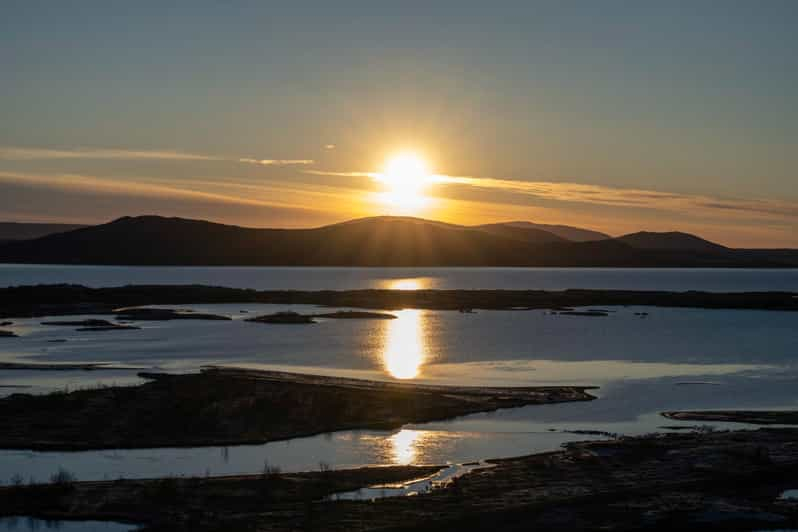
(615, 115)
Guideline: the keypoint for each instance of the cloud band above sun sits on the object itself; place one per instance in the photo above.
(603, 195)
(39, 154)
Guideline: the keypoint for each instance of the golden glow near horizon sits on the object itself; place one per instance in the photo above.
(405, 176)
(404, 348)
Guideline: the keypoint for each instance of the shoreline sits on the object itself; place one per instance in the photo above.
(753, 417)
(63, 300)
(229, 406)
(720, 480)
(65, 366)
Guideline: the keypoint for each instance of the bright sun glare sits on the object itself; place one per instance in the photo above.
(405, 176)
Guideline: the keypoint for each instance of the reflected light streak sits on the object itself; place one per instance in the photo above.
(403, 446)
(404, 349)
(414, 283)
(410, 446)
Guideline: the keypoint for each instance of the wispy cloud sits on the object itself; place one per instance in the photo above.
(277, 162)
(11, 153)
(627, 197)
(93, 184)
(36, 154)
(689, 204)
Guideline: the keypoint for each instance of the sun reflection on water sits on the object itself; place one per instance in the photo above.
(404, 348)
(410, 283)
(404, 446)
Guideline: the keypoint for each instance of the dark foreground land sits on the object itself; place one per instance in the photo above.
(52, 300)
(709, 481)
(232, 406)
(756, 417)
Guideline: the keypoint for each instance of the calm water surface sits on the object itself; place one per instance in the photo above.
(23, 524)
(672, 359)
(262, 278)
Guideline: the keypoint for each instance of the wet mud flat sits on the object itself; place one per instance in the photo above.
(707, 481)
(228, 406)
(53, 300)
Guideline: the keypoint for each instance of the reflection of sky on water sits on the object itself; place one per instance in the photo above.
(488, 347)
(22, 524)
(292, 278)
(674, 359)
(629, 407)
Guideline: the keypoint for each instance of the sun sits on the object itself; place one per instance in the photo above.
(405, 177)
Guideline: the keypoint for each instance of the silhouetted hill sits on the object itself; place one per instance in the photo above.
(574, 234)
(672, 241)
(382, 241)
(27, 231)
(525, 234)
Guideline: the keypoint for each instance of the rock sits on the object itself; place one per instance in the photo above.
(109, 327)
(590, 313)
(80, 323)
(355, 315)
(163, 314)
(8, 334)
(92, 325)
(283, 318)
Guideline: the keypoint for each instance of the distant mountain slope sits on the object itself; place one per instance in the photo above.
(525, 234)
(672, 241)
(26, 231)
(574, 234)
(389, 241)
(382, 241)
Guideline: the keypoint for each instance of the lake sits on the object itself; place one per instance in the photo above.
(670, 359)
(268, 278)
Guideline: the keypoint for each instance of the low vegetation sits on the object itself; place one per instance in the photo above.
(225, 406)
(707, 481)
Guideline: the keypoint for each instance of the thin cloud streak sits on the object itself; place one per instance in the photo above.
(11, 153)
(93, 184)
(277, 162)
(610, 196)
(37, 154)
(634, 198)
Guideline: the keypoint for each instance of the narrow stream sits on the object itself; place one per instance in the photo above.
(414, 487)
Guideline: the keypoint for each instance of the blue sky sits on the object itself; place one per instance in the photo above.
(693, 102)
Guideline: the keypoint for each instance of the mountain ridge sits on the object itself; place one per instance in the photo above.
(377, 241)
(568, 232)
